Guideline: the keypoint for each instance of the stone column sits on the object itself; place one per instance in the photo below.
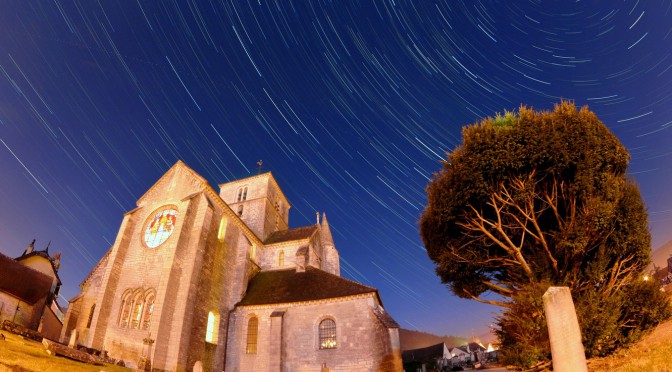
(563, 331)
(275, 352)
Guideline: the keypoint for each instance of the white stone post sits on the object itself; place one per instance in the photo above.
(563, 331)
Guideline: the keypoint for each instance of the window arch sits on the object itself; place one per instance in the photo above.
(136, 311)
(222, 228)
(327, 334)
(281, 258)
(242, 194)
(149, 310)
(240, 210)
(252, 333)
(88, 323)
(125, 309)
(212, 329)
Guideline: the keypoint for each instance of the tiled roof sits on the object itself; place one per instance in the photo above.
(293, 234)
(385, 318)
(423, 354)
(44, 254)
(23, 282)
(286, 286)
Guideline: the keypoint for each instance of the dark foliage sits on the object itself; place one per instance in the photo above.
(535, 199)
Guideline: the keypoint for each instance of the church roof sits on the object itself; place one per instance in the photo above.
(385, 318)
(286, 286)
(292, 234)
(23, 282)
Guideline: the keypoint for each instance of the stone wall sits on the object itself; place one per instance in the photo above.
(363, 343)
(51, 326)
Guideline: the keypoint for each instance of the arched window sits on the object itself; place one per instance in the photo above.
(212, 330)
(222, 228)
(137, 311)
(149, 309)
(281, 258)
(327, 332)
(240, 210)
(125, 310)
(252, 332)
(242, 194)
(88, 323)
(253, 252)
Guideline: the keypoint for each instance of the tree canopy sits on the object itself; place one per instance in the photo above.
(532, 199)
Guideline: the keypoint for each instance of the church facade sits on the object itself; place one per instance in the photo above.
(200, 279)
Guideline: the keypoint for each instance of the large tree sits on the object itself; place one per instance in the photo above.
(532, 199)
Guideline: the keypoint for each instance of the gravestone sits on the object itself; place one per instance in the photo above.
(563, 331)
(73, 339)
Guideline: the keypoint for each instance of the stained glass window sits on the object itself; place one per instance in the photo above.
(327, 332)
(149, 309)
(160, 227)
(125, 310)
(137, 312)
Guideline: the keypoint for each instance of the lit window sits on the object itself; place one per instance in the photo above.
(88, 323)
(281, 258)
(211, 332)
(137, 312)
(240, 210)
(327, 332)
(253, 252)
(149, 309)
(125, 310)
(222, 228)
(252, 331)
(160, 227)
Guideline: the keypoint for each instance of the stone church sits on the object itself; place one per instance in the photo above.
(200, 280)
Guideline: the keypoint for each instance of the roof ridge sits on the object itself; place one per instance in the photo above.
(342, 278)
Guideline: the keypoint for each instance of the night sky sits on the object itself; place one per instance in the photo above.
(351, 104)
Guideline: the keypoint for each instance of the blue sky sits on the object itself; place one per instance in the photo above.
(351, 104)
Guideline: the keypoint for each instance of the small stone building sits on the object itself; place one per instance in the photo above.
(218, 279)
(29, 286)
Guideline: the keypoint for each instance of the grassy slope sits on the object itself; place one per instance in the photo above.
(652, 353)
(19, 354)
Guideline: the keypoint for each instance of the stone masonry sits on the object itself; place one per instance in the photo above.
(184, 291)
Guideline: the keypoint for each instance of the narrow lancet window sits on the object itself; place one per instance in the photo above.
(252, 332)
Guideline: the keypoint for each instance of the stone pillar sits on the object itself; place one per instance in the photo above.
(73, 339)
(275, 352)
(563, 331)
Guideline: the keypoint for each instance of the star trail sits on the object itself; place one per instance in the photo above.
(351, 104)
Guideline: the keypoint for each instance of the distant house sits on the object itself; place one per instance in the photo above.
(438, 355)
(663, 276)
(29, 287)
(460, 355)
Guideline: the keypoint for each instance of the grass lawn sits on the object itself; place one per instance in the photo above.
(652, 353)
(18, 355)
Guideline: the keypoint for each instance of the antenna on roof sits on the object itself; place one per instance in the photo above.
(260, 164)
